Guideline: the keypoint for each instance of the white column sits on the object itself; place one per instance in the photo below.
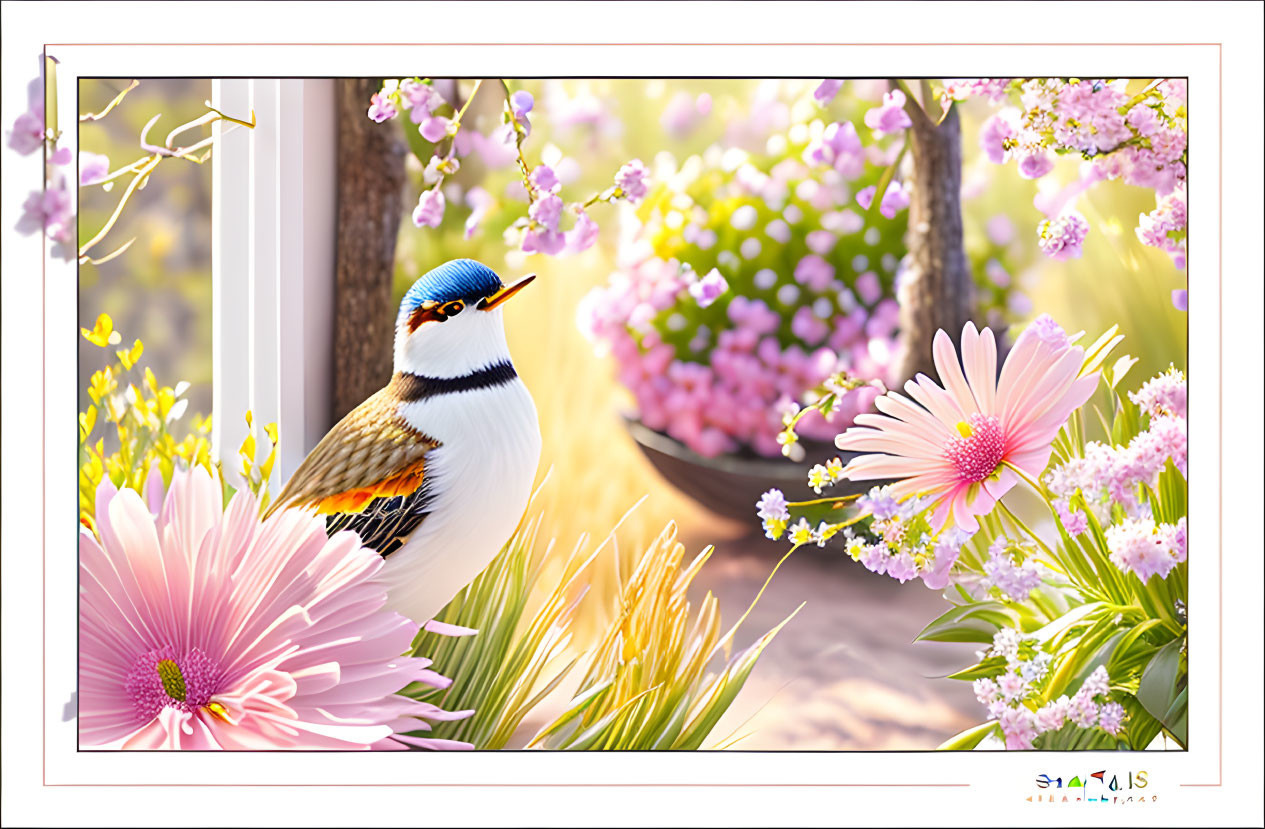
(273, 191)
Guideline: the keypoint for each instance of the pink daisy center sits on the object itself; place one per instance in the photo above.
(978, 451)
(160, 679)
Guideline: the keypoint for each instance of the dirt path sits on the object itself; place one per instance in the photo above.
(843, 675)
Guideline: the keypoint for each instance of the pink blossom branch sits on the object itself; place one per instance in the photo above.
(519, 134)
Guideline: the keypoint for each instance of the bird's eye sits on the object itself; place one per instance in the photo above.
(431, 311)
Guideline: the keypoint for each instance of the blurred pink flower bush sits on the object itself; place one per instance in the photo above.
(748, 282)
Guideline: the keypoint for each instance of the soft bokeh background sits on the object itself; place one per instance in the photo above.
(843, 675)
(160, 289)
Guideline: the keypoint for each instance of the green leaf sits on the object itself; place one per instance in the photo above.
(1092, 650)
(1095, 354)
(991, 666)
(1142, 727)
(968, 623)
(1175, 718)
(578, 706)
(1067, 620)
(417, 145)
(1118, 370)
(1162, 690)
(735, 676)
(881, 188)
(1170, 501)
(1127, 422)
(1131, 650)
(970, 738)
(1100, 657)
(1072, 738)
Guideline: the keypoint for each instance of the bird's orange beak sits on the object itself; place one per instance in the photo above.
(503, 295)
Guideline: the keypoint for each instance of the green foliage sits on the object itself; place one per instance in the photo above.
(1108, 617)
(656, 678)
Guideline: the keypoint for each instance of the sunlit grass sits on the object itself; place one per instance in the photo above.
(658, 675)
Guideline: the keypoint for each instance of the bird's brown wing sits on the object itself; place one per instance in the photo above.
(370, 454)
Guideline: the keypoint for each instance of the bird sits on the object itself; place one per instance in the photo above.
(435, 470)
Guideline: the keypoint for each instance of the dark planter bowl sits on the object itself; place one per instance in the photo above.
(730, 485)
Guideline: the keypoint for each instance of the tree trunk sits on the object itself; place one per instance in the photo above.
(370, 202)
(936, 289)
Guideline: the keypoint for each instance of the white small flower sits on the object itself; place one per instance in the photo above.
(823, 533)
(818, 477)
(1006, 644)
(801, 532)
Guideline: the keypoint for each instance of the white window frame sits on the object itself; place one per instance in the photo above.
(274, 208)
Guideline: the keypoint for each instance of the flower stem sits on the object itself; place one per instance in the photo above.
(456, 121)
(729, 636)
(97, 116)
(830, 500)
(141, 175)
(1018, 522)
(523, 168)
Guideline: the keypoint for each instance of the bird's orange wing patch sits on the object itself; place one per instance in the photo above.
(404, 482)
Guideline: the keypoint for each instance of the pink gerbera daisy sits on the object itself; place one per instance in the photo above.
(202, 627)
(960, 444)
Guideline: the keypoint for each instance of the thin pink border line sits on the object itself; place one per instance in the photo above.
(648, 43)
(519, 785)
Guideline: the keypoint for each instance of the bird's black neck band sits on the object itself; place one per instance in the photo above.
(409, 387)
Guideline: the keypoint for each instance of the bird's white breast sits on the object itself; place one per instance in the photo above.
(480, 479)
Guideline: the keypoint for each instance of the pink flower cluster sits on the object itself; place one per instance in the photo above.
(1114, 473)
(838, 147)
(1165, 226)
(895, 199)
(28, 131)
(1014, 579)
(1144, 548)
(1062, 237)
(994, 89)
(1163, 395)
(905, 550)
(1140, 139)
(1004, 697)
(420, 99)
(890, 116)
(49, 210)
(542, 233)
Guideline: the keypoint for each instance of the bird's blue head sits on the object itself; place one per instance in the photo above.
(460, 279)
(458, 294)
